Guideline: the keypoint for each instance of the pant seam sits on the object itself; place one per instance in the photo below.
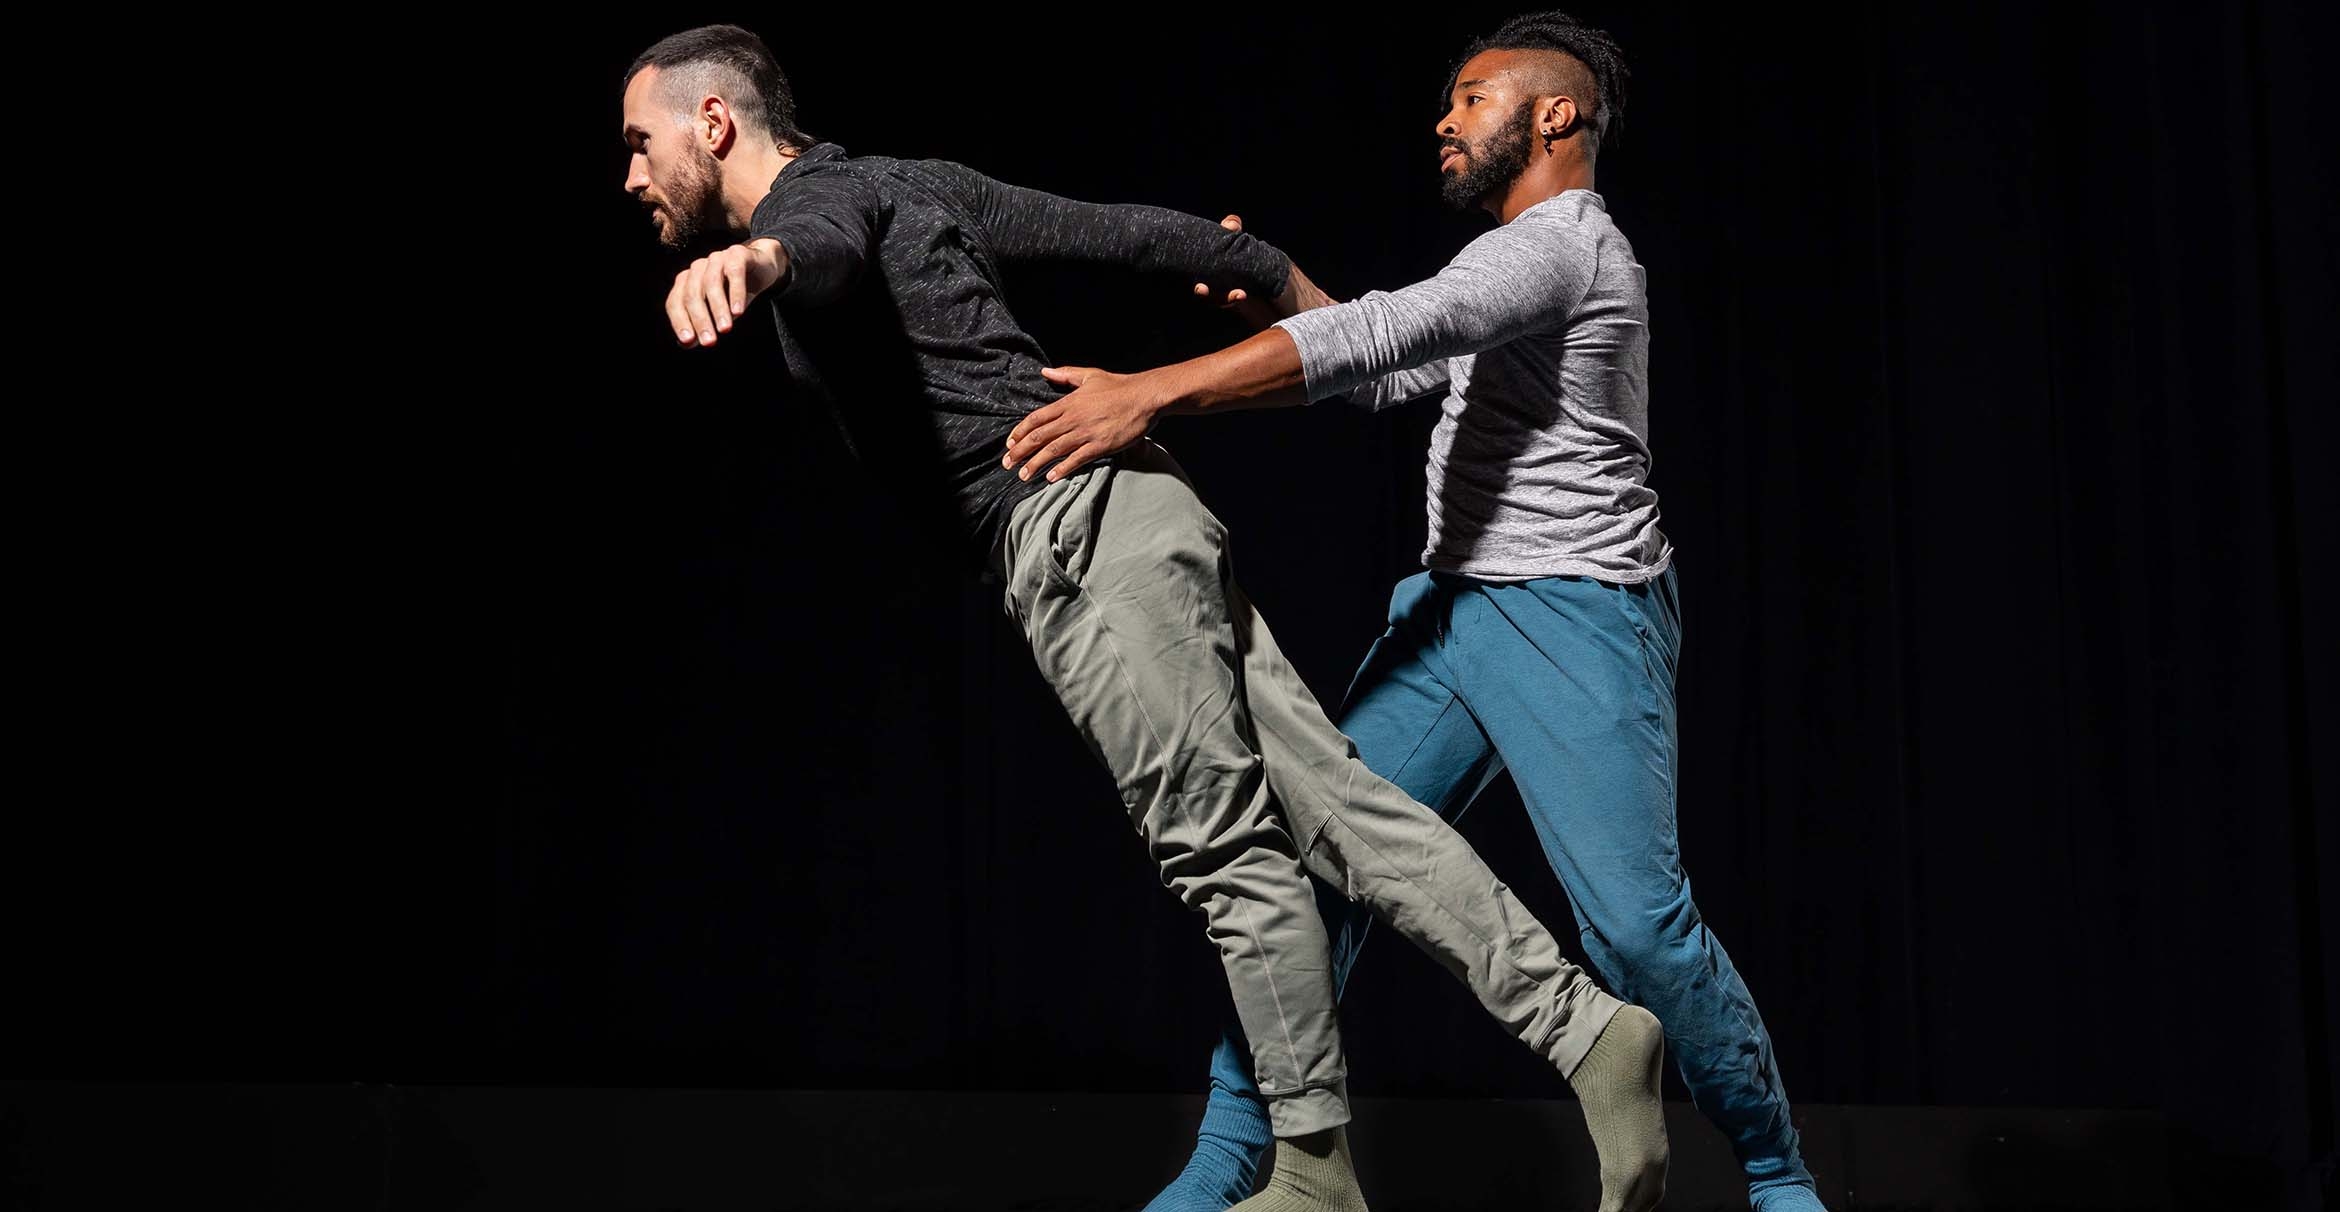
(1283, 1023)
(1082, 599)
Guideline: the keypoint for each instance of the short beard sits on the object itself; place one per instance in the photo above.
(1493, 167)
(694, 203)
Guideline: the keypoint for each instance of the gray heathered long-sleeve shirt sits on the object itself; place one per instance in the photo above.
(1538, 332)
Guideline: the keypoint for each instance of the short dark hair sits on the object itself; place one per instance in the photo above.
(742, 66)
(1557, 31)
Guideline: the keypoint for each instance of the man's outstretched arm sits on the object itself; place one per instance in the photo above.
(1034, 225)
(1525, 275)
(1107, 411)
(811, 245)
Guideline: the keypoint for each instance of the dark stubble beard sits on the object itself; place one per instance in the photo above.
(1493, 165)
(693, 202)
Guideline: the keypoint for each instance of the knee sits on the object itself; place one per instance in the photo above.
(1242, 855)
(1654, 943)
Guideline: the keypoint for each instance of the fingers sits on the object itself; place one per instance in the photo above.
(735, 281)
(1202, 290)
(693, 298)
(717, 296)
(695, 310)
(1060, 446)
(709, 294)
(1075, 461)
(1035, 440)
(1231, 223)
(1043, 415)
(678, 314)
(1070, 376)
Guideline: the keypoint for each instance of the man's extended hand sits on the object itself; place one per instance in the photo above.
(1104, 413)
(1299, 295)
(719, 286)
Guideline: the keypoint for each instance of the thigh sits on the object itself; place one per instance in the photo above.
(1576, 693)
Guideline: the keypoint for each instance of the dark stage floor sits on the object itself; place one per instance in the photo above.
(458, 1149)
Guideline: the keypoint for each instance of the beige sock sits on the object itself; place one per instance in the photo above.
(1312, 1175)
(1617, 1082)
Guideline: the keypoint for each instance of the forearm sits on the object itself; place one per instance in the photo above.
(1261, 372)
(1107, 412)
(1029, 224)
(1152, 240)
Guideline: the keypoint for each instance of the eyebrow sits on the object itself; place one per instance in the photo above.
(1469, 83)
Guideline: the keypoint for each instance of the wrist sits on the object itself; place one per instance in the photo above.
(1175, 388)
(1303, 294)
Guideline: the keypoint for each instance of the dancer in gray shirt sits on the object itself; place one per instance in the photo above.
(1542, 637)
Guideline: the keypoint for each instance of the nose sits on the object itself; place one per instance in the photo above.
(1447, 125)
(637, 175)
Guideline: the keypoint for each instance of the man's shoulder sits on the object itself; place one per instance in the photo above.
(890, 178)
(824, 174)
(1574, 211)
(830, 161)
(1572, 227)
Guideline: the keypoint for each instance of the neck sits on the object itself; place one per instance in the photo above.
(1549, 176)
(747, 177)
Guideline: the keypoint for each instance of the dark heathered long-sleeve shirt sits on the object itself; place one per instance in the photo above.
(892, 315)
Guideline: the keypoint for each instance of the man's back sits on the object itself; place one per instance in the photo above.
(894, 313)
(901, 327)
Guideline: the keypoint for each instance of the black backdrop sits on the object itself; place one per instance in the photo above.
(1992, 375)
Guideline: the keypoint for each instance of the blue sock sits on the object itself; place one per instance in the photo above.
(1795, 1196)
(1234, 1134)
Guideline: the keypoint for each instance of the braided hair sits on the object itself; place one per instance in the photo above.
(1602, 62)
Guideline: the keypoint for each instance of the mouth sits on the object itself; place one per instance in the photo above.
(1449, 156)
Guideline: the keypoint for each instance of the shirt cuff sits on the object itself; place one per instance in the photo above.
(1315, 333)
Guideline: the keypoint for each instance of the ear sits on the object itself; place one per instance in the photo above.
(715, 127)
(1555, 119)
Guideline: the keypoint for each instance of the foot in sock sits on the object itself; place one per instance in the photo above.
(1617, 1083)
(1312, 1175)
(1225, 1164)
(1791, 1197)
